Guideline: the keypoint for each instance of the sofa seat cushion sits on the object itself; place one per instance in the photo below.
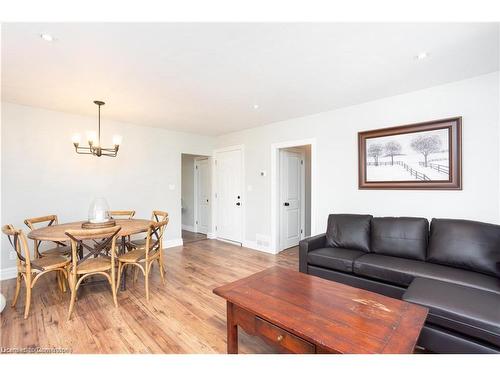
(349, 231)
(334, 258)
(400, 271)
(470, 311)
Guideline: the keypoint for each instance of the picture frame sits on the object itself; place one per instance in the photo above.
(425, 155)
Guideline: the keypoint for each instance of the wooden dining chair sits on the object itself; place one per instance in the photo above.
(143, 257)
(95, 262)
(157, 216)
(61, 248)
(121, 214)
(31, 270)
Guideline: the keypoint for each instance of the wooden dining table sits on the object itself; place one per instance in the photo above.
(57, 233)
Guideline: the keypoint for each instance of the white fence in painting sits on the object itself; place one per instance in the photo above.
(418, 175)
(440, 168)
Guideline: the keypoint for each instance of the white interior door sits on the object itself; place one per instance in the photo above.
(202, 220)
(228, 166)
(291, 197)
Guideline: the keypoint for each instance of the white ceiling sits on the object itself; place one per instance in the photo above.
(206, 77)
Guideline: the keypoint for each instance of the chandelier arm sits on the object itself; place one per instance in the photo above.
(83, 153)
(109, 155)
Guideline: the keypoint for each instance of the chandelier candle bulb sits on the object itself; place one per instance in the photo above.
(117, 140)
(91, 137)
(76, 139)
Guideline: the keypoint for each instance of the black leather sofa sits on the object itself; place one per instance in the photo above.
(453, 268)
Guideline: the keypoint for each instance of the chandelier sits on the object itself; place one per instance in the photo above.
(94, 141)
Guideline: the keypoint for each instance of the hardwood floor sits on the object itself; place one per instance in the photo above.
(184, 316)
(188, 237)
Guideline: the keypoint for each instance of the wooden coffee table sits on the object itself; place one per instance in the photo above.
(306, 314)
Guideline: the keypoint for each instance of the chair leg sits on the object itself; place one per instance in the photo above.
(120, 270)
(136, 273)
(113, 285)
(146, 279)
(68, 278)
(73, 295)
(59, 281)
(18, 289)
(28, 297)
(63, 281)
(162, 275)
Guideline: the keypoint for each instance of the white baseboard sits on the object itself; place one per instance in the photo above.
(8, 273)
(172, 243)
(189, 228)
(254, 246)
(211, 235)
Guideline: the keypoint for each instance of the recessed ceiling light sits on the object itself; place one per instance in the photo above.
(47, 37)
(422, 55)
(255, 106)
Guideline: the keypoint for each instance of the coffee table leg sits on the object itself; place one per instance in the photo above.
(232, 331)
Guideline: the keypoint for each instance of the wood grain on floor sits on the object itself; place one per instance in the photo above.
(188, 237)
(184, 316)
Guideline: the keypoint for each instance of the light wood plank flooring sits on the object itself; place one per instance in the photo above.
(188, 237)
(184, 316)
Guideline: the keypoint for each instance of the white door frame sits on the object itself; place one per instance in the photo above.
(242, 188)
(275, 147)
(195, 190)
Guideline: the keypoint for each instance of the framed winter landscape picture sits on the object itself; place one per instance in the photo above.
(418, 156)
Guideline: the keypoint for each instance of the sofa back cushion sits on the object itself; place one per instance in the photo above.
(465, 244)
(349, 231)
(404, 237)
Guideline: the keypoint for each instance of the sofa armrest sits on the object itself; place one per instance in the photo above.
(308, 244)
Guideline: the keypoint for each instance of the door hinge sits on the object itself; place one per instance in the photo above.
(197, 224)
(302, 162)
(301, 231)
(196, 167)
(216, 227)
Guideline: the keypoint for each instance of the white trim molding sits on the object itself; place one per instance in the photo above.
(172, 243)
(211, 235)
(275, 147)
(8, 273)
(254, 246)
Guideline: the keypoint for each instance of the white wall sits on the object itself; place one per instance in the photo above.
(476, 100)
(42, 174)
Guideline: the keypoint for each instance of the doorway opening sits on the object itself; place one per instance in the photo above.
(293, 193)
(196, 202)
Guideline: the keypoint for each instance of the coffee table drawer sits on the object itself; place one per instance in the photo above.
(285, 339)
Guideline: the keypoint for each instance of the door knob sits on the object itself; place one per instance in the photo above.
(238, 197)
(238, 204)
(286, 204)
